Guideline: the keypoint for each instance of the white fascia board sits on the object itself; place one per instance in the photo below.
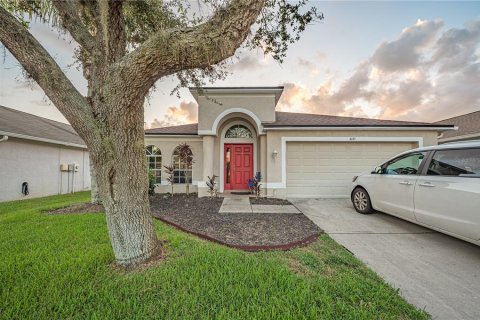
(242, 91)
(32, 138)
(358, 128)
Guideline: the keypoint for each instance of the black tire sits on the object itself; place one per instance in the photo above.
(361, 201)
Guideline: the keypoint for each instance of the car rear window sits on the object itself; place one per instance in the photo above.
(458, 162)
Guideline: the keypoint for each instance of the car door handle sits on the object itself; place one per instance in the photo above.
(426, 184)
(407, 183)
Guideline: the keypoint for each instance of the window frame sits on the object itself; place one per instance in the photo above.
(430, 159)
(420, 169)
(238, 125)
(178, 170)
(158, 172)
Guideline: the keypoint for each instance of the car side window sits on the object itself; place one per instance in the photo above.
(460, 162)
(406, 164)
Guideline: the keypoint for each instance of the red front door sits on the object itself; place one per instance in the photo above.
(238, 166)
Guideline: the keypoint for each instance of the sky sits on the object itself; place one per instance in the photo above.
(415, 61)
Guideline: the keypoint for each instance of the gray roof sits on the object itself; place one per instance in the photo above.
(28, 126)
(185, 129)
(289, 119)
(468, 124)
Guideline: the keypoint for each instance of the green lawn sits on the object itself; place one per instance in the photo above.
(59, 267)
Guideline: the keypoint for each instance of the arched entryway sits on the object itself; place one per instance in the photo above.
(238, 155)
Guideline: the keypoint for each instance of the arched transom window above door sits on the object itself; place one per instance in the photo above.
(238, 131)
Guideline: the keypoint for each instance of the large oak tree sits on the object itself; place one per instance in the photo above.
(124, 47)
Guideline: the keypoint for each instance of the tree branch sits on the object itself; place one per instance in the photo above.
(71, 21)
(48, 75)
(173, 50)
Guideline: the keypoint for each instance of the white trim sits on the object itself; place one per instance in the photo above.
(283, 151)
(287, 128)
(238, 90)
(224, 140)
(27, 137)
(226, 112)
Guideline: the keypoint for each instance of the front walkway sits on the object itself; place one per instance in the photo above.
(432, 270)
(241, 204)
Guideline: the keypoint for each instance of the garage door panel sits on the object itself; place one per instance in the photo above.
(325, 169)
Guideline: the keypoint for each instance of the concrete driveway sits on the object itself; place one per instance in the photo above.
(433, 271)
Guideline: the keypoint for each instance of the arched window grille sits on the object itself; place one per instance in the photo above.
(238, 131)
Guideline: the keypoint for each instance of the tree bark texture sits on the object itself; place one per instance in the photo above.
(110, 118)
(95, 196)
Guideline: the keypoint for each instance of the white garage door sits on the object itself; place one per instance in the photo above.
(325, 169)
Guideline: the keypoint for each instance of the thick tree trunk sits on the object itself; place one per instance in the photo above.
(122, 180)
(94, 195)
(110, 119)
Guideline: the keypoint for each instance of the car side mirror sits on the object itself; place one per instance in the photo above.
(377, 170)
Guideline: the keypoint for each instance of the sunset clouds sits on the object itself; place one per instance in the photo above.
(394, 60)
(186, 112)
(427, 73)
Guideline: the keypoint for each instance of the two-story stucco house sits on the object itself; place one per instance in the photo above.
(299, 155)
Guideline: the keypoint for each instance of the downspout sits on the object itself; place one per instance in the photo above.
(4, 138)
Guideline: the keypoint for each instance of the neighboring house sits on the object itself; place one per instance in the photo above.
(468, 128)
(32, 150)
(299, 155)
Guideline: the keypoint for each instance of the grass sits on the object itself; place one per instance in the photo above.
(60, 266)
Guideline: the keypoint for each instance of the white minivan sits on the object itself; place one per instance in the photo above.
(437, 187)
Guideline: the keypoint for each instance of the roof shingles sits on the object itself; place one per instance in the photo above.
(286, 119)
(185, 129)
(468, 124)
(289, 119)
(26, 124)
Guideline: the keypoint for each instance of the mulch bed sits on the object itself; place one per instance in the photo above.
(79, 208)
(271, 201)
(246, 231)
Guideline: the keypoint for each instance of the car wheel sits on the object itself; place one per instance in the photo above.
(361, 201)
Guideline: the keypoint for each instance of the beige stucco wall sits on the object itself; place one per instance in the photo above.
(262, 105)
(38, 164)
(274, 142)
(167, 145)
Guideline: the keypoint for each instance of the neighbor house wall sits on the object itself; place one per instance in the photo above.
(273, 177)
(167, 146)
(38, 164)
